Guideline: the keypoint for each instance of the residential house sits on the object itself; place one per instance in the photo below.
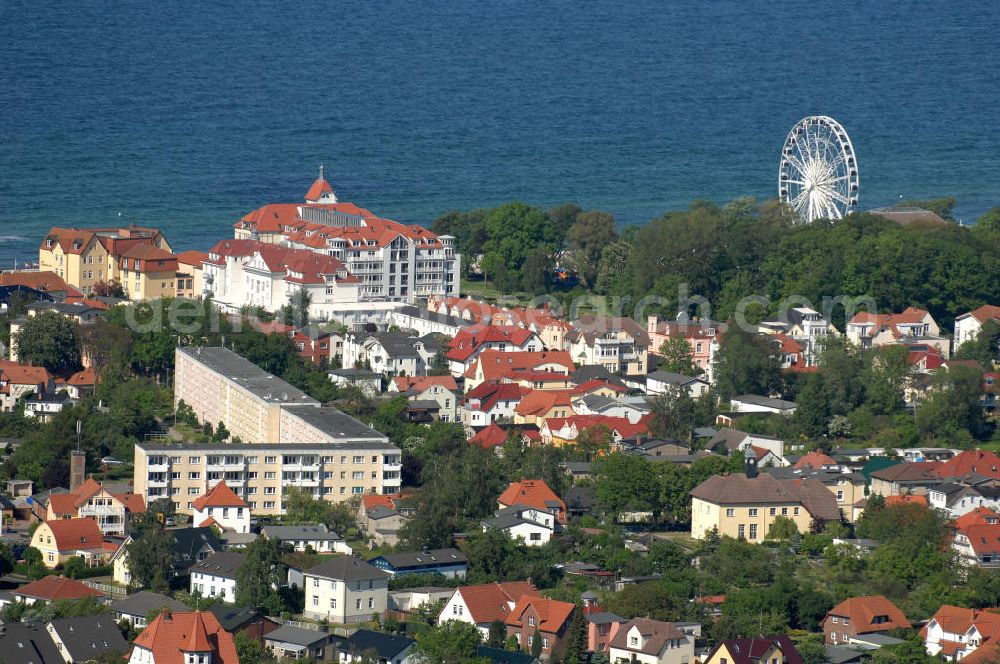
(424, 321)
(803, 325)
(81, 384)
(660, 382)
(369, 382)
(968, 325)
(534, 370)
(869, 330)
(599, 629)
(221, 507)
(86, 638)
(247, 273)
(289, 642)
(251, 622)
(35, 284)
(382, 517)
(147, 272)
(618, 344)
(862, 615)
(754, 403)
(176, 637)
(187, 546)
(53, 588)
(538, 405)
(538, 617)
(756, 650)
(702, 336)
(745, 505)
(489, 402)
(389, 353)
(190, 268)
(61, 539)
(442, 390)
(848, 488)
(113, 512)
(536, 494)
(490, 437)
(409, 599)
(565, 430)
(393, 261)
(386, 648)
(905, 478)
(645, 641)
(470, 342)
(30, 643)
(632, 409)
(816, 460)
(955, 633)
(729, 441)
(215, 576)
(19, 380)
(345, 590)
(84, 257)
(319, 538)
(485, 604)
(965, 496)
(530, 525)
(450, 563)
(136, 607)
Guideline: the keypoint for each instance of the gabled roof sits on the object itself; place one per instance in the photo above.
(492, 601)
(225, 564)
(470, 340)
(533, 493)
(765, 489)
(76, 534)
(23, 374)
(620, 425)
(39, 281)
(411, 559)
(319, 187)
(753, 650)
(863, 612)
(590, 328)
(489, 394)
(144, 601)
(815, 460)
(219, 495)
(552, 614)
(172, 634)
(51, 588)
(982, 314)
(85, 638)
(492, 435)
(388, 646)
(978, 516)
(192, 257)
(655, 633)
(28, 643)
(68, 503)
(982, 462)
(540, 402)
(347, 568)
(496, 364)
(421, 383)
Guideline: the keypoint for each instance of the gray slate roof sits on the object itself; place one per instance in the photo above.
(386, 645)
(407, 559)
(142, 602)
(296, 636)
(225, 564)
(28, 644)
(87, 637)
(319, 532)
(347, 568)
(248, 375)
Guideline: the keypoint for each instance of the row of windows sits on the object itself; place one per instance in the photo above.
(251, 460)
(730, 511)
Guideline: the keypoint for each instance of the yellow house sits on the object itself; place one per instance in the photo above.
(189, 273)
(147, 273)
(538, 405)
(759, 650)
(62, 539)
(86, 256)
(745, 505)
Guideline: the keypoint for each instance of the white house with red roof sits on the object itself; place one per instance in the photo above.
(702, 336)
(968, 325)
(113, 512)
(223, 508)
(867, 329)
(17, 380)
(239, 273)
(531, 369)
(176, 637)
(442, 390)
(489, 402)
(465, 348)
(394, 261)
(959, 634)
(485, 604)
(535, 494)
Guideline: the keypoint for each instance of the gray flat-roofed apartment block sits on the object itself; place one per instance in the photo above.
(336, 424)
(248, 375)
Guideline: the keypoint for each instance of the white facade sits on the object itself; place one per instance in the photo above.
(531, 526)
(210, 585)
(456, 608)
(969, 640)
(673, 651)
(344, 601)
(232, 518)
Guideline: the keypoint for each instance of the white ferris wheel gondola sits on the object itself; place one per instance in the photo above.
(818, 171)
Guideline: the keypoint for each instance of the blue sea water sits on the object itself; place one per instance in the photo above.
(187, 115)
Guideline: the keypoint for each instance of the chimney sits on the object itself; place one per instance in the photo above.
(77, 469)
(750, 463)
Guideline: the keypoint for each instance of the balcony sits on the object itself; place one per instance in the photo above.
(158, 484)
(158, 467)
(392, 467)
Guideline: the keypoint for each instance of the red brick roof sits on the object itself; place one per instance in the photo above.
(977, 517)
(172, 634)
(540, 402)
(984, 538)
(319, 187)
(491, 436)
(906, 500)
(23, 374)
(496, 364)
(219, 495)
(421, 383)
(620, 425)
(76, 534)
(133, 502)
(815, 460)
(533, 493)
(552, 614)
(863, 612)
(192, 257)
(85, 378)
(982, 462)
(489, 602)
(40, 281)
(489, 394)
(470, 340)
(985, 313)
(595, 384)
(51, 588)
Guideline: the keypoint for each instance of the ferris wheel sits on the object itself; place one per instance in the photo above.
(818, 173)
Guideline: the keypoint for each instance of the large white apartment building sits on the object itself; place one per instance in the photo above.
(392, 261)
(240, 273)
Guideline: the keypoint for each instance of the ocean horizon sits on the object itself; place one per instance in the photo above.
(187, 118)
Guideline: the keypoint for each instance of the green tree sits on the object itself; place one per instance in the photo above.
(586, 240)
(575, 648)
(614, 271)
(747, 364)
(439, 365)
(149, 558)
(514, 230)
(782, 528)
(811, 649)
(674, 414)
(889, 372)
(50, 340)
(675, 355)
(498, 634)
(260, 575)
(953, 403)
(536, 270)
(248, 649)
(449, 642)
(296, 312)
(536, 644)
(625, 482)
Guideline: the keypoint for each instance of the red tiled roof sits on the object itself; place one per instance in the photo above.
(540, 402)
(133, 502)
(863, 612)
(497, 364)
(982, 462)
(532, 493)
(313, 266)
(984, 538)
(318, 188)
(75, 534)
(489, 394)
(219, 495)
(172, 634)
(978, 516)
(470, 340)
(620, 425)
(51, 588)
(552, 614)
(40, 281)
(815, 460)
(985, 313)
(489, 602)
(192, 257)
(23, 374)
(85, 378)
(595, 384)
(491, 436)
(421, 383)
(908, 499)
